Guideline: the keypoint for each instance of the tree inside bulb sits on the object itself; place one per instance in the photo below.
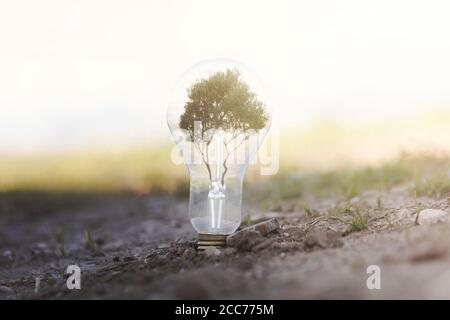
(219, 117)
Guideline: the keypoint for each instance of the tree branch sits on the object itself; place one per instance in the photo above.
(204, 160)
(229, 153)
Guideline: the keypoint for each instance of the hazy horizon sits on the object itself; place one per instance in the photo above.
(80, 74)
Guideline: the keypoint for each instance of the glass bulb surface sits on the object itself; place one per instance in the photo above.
(218, 118)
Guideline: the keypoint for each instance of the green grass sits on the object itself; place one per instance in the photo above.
(344, 183)
(359, 222)
(59, 237)
(356, 217)
(323, 157)
(140, 170)
(145, 170)
(435, 186)
(90, 243)
(291, 185)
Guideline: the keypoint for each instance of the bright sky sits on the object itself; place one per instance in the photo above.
(77, 73)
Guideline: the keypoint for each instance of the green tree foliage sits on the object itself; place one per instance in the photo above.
(222, 101)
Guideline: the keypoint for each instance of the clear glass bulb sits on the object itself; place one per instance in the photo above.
(218, 118)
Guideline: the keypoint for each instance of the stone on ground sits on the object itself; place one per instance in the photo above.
(247, 238)
(429, 216)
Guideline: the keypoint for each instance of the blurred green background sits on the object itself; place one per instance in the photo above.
(325, 157)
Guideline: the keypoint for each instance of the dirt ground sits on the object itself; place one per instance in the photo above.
(131, 246)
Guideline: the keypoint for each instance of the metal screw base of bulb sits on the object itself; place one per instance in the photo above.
(211, 240)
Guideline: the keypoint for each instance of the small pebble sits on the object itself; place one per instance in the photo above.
(211, 252)
(429, 216)
(245, 241)
(8, 254)
(247, 238)
(164, 246)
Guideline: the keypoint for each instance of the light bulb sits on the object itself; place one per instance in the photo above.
(218, 118)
